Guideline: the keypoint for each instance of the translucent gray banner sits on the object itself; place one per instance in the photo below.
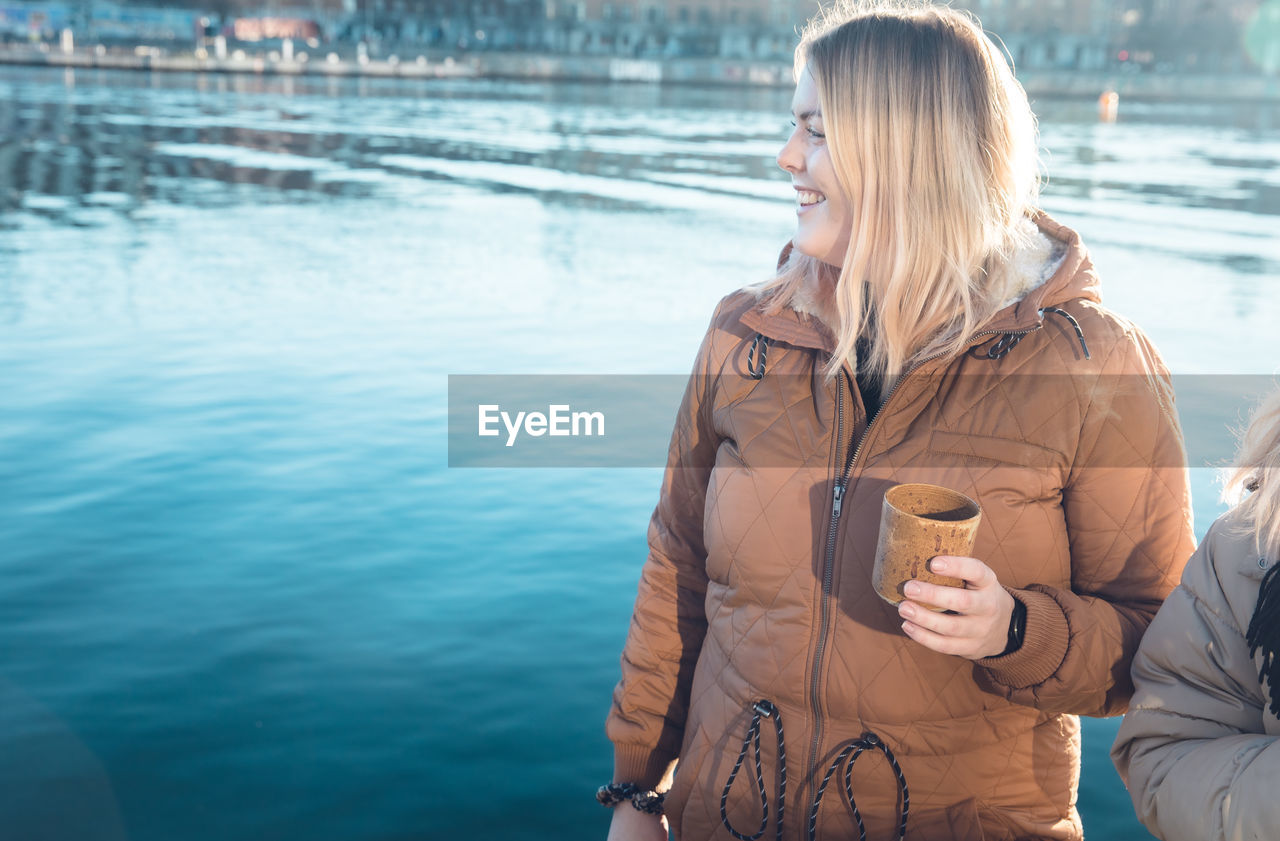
(610, 420)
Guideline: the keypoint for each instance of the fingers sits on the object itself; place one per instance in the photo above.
(947, 598)
(972, 570)
(935, 641)
(977, 623)
(976, 575)
(951, 625)
(973, 635)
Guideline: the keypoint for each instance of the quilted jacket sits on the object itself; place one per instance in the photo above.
(757, 584)
(1199, 748)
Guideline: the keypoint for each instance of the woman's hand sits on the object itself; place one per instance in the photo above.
(630, 824)
(980, 625)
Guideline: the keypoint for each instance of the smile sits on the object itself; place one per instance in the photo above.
(808, 198)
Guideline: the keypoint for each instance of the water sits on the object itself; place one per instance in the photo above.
(243, 597)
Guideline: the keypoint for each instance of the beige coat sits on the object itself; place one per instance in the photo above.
(1199, 748)
(761, 547)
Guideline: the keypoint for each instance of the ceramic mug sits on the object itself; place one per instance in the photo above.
(917, 523)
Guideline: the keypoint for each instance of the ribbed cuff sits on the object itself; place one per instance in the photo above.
(647, 767)
(1044, 646)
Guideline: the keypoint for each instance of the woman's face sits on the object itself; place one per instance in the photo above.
(824, 214)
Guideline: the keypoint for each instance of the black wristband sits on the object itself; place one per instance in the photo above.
(1017, 628)
(614, 793)
(649, 802)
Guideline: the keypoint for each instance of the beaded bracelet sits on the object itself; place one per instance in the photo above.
(649, 802)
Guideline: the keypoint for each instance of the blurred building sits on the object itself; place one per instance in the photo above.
(1191, 35)
(1117, 35)
(1044, 34)
(448, 24)
(761, 29)
(1038, 34)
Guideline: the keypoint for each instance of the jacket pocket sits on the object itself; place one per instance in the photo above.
(1019, 486)
(958, 822)
(996, 450)
(1015, 472)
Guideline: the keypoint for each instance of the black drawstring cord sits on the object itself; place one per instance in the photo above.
(1002, 345)
(1008, 341)
(848, 754)
(1072, 321)
(767, 710)
(851, 752)
(762, 342)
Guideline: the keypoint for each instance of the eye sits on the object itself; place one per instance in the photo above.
(811, 131)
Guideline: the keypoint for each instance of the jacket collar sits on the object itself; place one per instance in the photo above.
(787, 325)
(1074, 278)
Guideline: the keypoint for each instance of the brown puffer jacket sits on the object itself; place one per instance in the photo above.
(757, 587)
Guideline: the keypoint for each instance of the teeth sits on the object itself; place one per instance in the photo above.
(807, 198)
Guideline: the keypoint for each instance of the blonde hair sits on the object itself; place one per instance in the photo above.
(1257, 473)
(933, 141)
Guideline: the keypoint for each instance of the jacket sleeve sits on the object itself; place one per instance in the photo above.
(646, 722)
(1192, 749)
(1127, 508)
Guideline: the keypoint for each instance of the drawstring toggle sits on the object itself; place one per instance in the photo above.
(759, 348)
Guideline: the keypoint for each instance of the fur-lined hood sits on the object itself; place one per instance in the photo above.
(1051, 269)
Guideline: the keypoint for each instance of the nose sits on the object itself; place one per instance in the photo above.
(789, 158)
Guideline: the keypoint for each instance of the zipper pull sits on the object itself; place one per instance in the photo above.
(838, 502)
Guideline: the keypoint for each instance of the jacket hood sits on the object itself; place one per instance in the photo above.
(1053, 269)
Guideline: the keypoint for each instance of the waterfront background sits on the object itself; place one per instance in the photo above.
(244, 597)
(1171, 49)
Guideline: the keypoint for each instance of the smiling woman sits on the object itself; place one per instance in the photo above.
(926, 323)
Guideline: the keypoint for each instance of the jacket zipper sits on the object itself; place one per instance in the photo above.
(837, 504)
(828, 572)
